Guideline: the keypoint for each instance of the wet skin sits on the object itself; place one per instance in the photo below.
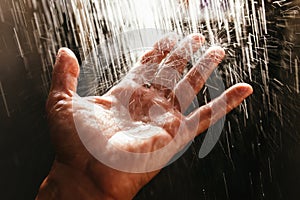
(157, 96)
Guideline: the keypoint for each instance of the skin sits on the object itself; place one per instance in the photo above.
(158, 97)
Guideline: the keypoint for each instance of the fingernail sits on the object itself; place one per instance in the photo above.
(65, 51)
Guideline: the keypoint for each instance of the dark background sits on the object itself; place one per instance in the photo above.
(262, 161)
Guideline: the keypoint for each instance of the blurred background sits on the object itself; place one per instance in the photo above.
(258, 153)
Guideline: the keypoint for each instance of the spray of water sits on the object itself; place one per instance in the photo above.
(249, 31)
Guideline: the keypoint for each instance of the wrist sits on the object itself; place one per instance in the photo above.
(64, 182)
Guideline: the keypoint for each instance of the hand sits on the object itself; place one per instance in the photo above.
(111, 146)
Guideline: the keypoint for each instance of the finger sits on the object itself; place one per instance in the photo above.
(160, 49)
(210, 113)
(65, 72)
(188, 87)
(173, 67)
(145, 70)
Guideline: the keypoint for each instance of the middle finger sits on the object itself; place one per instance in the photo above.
(171, 70)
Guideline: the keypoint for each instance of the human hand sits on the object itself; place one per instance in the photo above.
(111, 146)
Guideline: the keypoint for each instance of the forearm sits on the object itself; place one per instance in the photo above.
(64, 182)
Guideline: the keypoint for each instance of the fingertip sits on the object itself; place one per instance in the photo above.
(216, 52)
(66, 62)
(66, 51)
(167, 42)
(160, 49)
(197, 37)
(194, 40)
(243, 89)
(188, 46)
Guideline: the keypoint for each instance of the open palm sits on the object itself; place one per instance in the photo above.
(122, 139)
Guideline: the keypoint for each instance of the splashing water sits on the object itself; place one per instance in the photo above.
(83, 25)
(240, 26)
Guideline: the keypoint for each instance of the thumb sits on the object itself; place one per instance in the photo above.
(65, 72)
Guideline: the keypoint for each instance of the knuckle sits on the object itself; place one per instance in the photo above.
(57, 101)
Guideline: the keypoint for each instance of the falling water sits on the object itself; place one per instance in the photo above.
(240, 27)
(248, 30)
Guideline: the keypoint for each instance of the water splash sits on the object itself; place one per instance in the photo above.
(4, 100)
